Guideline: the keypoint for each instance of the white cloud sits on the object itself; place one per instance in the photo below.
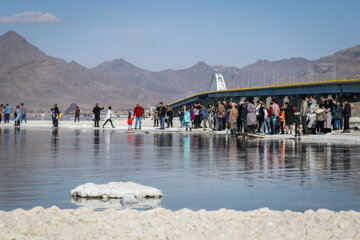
(30, 17)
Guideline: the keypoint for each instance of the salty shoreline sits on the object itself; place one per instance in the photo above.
(159, 223)
(147, 127)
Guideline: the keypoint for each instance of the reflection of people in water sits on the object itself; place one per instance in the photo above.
(186, 151)
(54, 140)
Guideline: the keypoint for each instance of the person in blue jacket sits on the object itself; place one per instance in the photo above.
(7, 112)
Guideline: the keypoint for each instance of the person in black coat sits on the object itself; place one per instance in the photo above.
(96, 112)
(289, 117)
(260, 115)
(162, 111)
(347, 114)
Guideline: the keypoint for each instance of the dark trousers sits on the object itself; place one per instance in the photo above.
(169, 122)
(197, 121)
(304, 124)
(346, 123)
(156, 123)
(272, 127)
(221, 124)
(6, 118)
(108, 120)
(0, 117)
(320, 126)
(97, 120)
(77, 117)
(260, 121)
(55, 122)
(282, 127)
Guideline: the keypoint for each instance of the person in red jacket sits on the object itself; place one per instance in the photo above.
(138, 114)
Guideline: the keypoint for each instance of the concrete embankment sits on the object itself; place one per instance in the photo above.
(85, 223)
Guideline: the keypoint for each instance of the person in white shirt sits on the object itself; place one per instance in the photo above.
(109, 113)
(265, 123)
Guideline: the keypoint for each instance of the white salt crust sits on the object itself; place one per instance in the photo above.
(159, 223)
(132, 191)
(146, 203)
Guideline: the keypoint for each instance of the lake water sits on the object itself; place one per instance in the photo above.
(41, 166)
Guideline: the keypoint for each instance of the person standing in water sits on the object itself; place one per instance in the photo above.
(77, 114)
(96, 112)
(23, 113)
(138, 114)
(162, 112)
(18, 116)
(54, 116)
(109, 113)
(7, 112)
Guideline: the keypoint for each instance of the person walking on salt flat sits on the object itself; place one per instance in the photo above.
(109, 113)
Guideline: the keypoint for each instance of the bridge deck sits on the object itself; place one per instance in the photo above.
(348, 86)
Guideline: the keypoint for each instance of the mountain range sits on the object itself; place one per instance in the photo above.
(28, 75)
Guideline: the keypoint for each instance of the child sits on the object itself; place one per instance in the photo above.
(130, 121)
(282, 121)
(54, 117)
(187, 119)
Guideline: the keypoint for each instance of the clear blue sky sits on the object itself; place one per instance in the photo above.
(159, 35)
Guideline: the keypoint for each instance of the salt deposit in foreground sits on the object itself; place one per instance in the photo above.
(146, 203)
(159, 223)
(129, 192)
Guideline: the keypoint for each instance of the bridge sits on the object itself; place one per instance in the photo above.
(339, 89)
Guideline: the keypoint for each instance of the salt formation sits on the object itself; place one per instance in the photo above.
(132, 191)
(159, 223)
(146, 203)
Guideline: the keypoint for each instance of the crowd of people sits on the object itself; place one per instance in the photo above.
(19, 113)
(314, 116)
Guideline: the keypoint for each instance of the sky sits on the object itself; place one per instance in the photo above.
(158, 34)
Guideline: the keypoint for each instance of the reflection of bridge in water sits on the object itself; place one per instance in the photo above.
(344, 89)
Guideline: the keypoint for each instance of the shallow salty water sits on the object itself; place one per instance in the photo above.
(40, 166)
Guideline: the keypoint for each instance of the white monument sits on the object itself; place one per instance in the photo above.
(217, 83)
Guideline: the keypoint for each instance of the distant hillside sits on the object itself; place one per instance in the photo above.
(29, 75)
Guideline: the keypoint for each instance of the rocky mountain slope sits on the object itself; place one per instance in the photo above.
(29, 75)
